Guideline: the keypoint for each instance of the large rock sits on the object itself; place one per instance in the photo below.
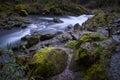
(31, 39)
(46, 63)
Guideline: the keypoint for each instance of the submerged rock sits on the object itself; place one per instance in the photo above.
(47, 63)
(57, 20)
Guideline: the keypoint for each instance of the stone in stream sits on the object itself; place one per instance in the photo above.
(77, 27)
(57, 20)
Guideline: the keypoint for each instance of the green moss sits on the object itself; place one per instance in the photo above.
(46, 62)
(88, 37)
(95, 72)
(81, 53)
(71, 44)
(41, 55)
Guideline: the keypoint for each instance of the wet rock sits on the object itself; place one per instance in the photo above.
(74, 36)
(31, 39)
(92, 28)
(64, 37)
(47, 63)
(26, 38)
(46, 36)
(57, 20)
(69, 27)
(77, 27)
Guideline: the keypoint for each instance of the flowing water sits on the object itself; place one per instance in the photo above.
(39, 24)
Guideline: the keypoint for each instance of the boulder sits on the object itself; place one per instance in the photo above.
(31, 39)
(77, 27)
(46, 63)
(64, 37)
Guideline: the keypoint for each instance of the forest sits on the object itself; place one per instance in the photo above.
(59, 39)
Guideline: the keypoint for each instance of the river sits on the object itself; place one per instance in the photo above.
(39, 24)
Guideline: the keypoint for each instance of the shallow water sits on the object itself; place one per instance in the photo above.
(40, 24)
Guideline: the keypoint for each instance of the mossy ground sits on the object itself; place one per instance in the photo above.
(43, 9)
(101, 18)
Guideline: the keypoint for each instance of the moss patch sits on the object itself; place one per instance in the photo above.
(71, 44)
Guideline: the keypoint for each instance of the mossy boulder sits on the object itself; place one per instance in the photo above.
(89, 60)
(89, 37)
(48, 62)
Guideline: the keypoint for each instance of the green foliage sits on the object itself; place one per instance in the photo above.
(19, 7)
(12, 71)
(6, 7)
(100, 19)
(71, 44)
(47, 63)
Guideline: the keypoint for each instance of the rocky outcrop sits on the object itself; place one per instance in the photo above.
(8, 21)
